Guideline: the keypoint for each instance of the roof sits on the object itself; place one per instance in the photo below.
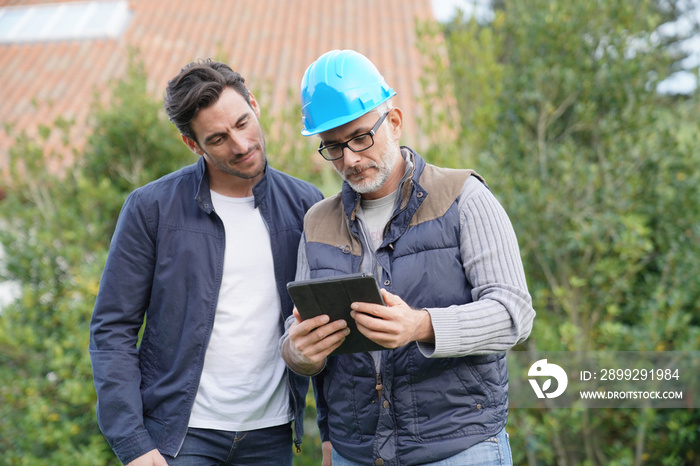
(268, 41)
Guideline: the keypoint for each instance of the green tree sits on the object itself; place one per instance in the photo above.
(558, 109)
(56, 232)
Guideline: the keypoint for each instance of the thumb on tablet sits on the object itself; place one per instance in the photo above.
(391, 299)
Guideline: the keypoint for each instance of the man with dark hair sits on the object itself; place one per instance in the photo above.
(444, 252)
(203, 255)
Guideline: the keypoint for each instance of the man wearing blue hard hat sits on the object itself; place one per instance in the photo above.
(444, 252)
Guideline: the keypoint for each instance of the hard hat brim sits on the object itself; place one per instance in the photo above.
(340, 121)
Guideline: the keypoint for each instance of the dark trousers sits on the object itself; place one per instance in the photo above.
(207, 447)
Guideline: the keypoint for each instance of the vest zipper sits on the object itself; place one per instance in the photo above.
(379, 385)
(364, 245)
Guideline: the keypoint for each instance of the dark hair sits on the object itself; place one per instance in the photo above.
(197, 86)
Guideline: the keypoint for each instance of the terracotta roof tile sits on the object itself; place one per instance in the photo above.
(268, 41)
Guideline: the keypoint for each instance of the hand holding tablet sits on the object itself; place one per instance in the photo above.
(333, 297)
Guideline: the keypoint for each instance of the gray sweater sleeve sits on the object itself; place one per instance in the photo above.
(501, 314)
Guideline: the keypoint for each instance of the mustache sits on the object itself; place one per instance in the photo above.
(356, 170)
(245, 154)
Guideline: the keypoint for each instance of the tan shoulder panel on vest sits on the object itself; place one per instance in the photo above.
(326, 223)
(443, 185)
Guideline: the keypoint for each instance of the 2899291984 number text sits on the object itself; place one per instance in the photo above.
(639, 374)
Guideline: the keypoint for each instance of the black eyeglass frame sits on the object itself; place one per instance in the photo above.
(343, 145)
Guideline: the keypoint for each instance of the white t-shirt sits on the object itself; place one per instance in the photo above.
(244, 384)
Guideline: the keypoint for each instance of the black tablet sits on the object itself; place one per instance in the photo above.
(333, 296)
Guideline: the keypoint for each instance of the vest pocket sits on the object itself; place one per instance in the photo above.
(452, 399)
(352, 401)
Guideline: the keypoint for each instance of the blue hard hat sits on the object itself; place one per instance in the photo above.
(339, 87)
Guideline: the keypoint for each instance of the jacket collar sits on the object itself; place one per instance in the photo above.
(262, 187)
(203, 196)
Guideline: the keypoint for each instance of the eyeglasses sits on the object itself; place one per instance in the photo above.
(357, 144)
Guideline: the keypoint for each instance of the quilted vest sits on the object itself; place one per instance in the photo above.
(429, 409)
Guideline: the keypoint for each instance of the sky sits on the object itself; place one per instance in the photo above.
(445, 9)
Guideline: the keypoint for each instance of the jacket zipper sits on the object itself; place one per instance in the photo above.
(379, 385)
(295, 401)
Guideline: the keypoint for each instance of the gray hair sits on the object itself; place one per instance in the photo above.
(384, 107)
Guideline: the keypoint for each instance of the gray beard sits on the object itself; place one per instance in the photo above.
(385, 167)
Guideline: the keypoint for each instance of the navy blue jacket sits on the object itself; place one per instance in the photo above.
(428, 409)
(165, 264)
